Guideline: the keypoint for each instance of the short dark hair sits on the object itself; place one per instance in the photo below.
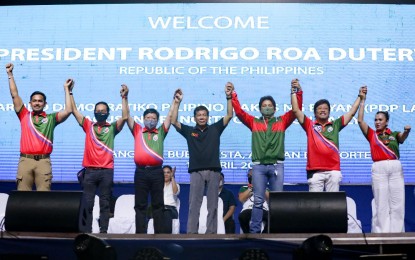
(200, 108)
(385, 113)
(261, 100)
(151, 111)
(38, 93)
(168, 167)
(321, 102)
(102, 103)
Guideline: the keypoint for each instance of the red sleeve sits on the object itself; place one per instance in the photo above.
(136, 129)
(22, 112)
(166, 130)
(370, 132)
(306, 123)
(86, 124)
(289, 117)
(245, 118)
(56, 118)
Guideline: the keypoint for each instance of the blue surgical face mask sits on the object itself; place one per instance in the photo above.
(150, 123)
(101, 117)
(267, 111)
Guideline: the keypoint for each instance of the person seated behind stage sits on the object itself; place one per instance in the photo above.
(171, 191)
(229, 204)
(246, 197)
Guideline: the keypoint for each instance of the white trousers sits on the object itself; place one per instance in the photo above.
(328, 179)
(388, 188)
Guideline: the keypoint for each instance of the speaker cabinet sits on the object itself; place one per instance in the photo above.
(307, 212)
(34, 211)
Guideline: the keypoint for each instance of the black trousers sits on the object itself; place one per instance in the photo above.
(149, 181)
(230, 226)
(170, 213)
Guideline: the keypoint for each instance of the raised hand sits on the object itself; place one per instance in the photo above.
(295, 85)
(124, 90)
(229, 87)
(178, 95)
(9, 67)
(69, 83)
(363, 92)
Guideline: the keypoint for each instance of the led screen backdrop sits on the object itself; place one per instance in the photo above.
(155, 48)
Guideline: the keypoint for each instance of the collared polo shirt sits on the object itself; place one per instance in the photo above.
(203, 146)
(383, 146)
(36, 131)
(99, 144)
(323, 144)
(149, 145)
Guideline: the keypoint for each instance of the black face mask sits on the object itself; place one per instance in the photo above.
(100, 117)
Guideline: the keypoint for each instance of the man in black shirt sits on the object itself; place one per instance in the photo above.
(203, 142)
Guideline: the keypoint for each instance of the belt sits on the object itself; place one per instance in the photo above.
(148, 167)
(36, 157)
(96, 168)
(258, 163)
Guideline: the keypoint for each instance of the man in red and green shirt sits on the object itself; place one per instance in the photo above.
(323, 159)
(36, 140)
(99, 158)
(268, 134)
(149, 175)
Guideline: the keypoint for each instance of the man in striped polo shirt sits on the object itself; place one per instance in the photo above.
(149, 176)
(99, 157)
(268, 136)
(36, 140)
(323, 159)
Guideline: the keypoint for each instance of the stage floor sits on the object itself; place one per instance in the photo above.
(277, 246)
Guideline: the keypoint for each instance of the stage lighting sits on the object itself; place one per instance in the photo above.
(149, 253)
(88, 247)
(316, 247)
(254, 254)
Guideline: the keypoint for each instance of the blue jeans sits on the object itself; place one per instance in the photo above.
(261, 176)
(101, 180)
